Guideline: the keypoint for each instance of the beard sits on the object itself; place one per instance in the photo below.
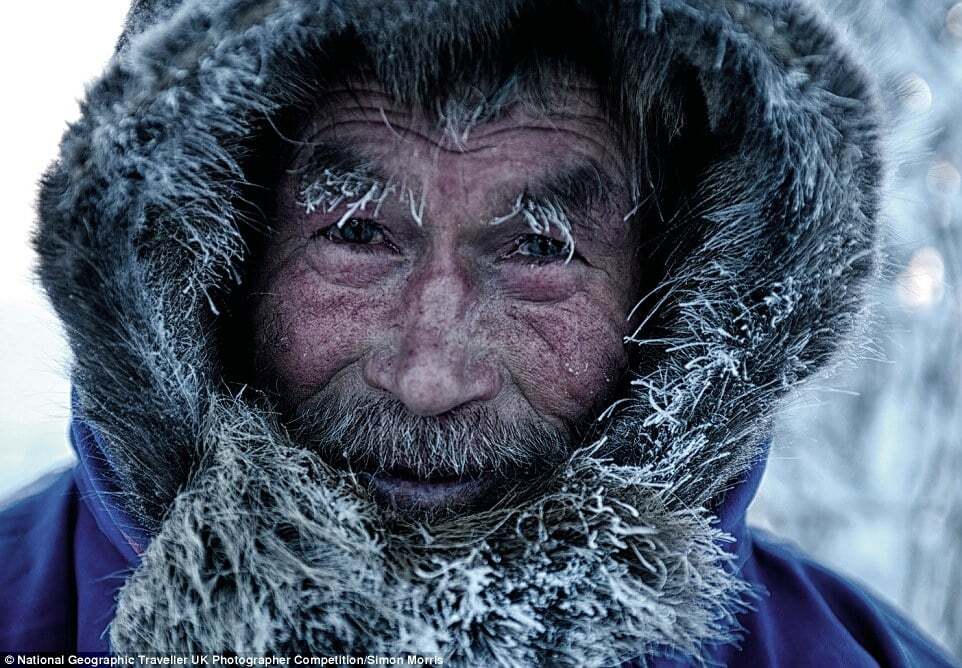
(380, 434)
(473, 447)
(272, 550)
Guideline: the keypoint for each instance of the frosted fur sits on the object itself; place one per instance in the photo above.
(140, 234)
(259, 558)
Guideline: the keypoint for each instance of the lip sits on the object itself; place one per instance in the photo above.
(407, 493)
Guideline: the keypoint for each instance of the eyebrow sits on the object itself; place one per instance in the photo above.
(579, 189)
(332, 175)
(336, 157)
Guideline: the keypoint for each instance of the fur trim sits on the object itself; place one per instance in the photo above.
(259, 558)
(139, 234)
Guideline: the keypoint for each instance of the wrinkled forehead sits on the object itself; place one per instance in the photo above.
(557, 121)
(558, 95)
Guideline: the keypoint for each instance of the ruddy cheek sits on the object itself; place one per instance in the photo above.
(565, 359)
(320, 329)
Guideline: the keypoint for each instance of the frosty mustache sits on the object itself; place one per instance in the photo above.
(367, 434)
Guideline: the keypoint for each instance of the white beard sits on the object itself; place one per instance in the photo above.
(270, 551)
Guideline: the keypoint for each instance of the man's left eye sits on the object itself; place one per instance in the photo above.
(540, 247)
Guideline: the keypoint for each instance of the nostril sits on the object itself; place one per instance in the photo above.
(378, 370)
(485, 379)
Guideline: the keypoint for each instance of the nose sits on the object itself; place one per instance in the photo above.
(436, 361)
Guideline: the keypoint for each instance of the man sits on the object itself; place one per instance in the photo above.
(449, 330)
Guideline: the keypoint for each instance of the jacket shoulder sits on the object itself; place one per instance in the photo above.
(36, 566)
(818, 615)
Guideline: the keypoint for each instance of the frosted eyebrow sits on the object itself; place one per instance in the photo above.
(545, 205)
(354, 190)
(542, 216)
(335, 177)
(580, 190)
(574, 193)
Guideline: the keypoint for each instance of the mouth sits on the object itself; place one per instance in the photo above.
(404, 491)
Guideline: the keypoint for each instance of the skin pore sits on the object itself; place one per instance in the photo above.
(490, 268)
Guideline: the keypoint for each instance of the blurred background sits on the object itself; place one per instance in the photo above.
(50, 50)
(866, 469)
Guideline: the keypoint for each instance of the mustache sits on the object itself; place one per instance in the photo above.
(376, 434)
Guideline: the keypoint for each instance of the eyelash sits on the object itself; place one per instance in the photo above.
(539, 259)
(371, 247)
(359, 246)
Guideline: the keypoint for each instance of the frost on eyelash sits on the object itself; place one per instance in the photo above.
(357, 190)
(416, 205)
(541, 216)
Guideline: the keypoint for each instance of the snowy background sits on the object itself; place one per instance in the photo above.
(866, 470)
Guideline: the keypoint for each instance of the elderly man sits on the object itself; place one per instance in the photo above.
(449, 331)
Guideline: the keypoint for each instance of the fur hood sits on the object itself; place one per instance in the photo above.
(142, 239)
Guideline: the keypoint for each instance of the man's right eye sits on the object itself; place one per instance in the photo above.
(357, 231)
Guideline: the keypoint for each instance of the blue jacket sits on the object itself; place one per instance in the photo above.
(66, 551)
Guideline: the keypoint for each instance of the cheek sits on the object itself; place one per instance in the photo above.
(310, 330)
(565, 356)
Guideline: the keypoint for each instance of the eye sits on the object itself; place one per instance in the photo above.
(358, 231)
(539, 247)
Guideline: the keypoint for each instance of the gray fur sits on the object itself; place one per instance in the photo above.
(258, 558)
(139, 234)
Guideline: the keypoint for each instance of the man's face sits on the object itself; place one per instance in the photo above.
(440, 311)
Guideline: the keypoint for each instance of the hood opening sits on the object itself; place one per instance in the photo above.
(672, 150)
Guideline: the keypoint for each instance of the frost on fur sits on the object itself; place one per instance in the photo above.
(273, 552)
